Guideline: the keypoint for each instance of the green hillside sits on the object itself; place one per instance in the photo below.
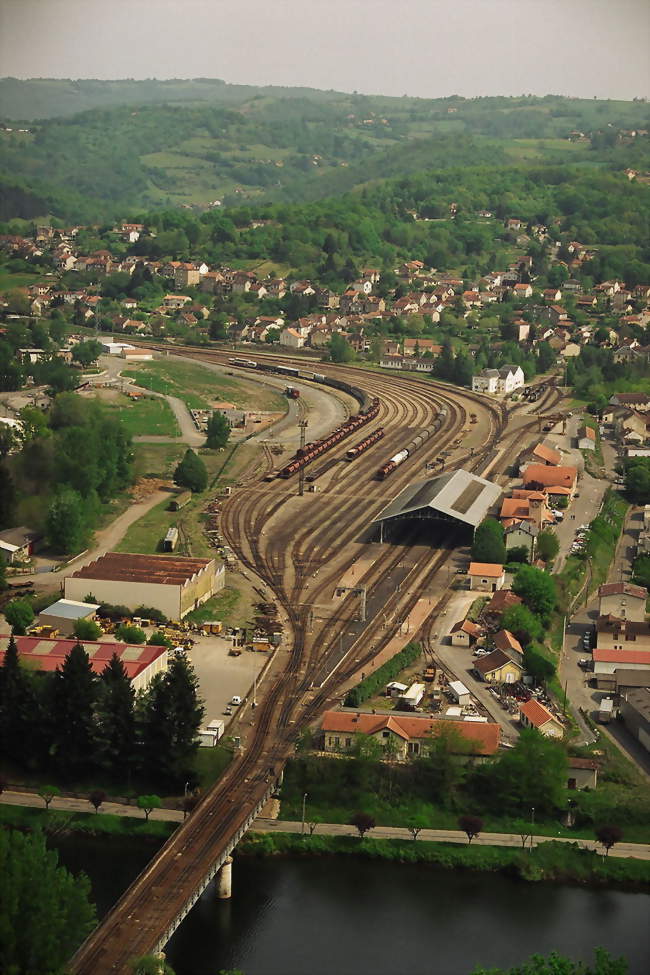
(191, 143)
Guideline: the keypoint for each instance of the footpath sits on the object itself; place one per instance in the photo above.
(638, 851)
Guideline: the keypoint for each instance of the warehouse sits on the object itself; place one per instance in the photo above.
(173, 584)
(140, 662)
(457, 498)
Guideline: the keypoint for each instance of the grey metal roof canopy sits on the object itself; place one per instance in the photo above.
(458, 495)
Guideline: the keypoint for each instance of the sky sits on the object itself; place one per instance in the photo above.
(426, 48)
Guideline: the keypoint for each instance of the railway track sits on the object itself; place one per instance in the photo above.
(281, 539)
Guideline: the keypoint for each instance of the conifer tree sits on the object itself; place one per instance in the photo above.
(116, 719)
(74, 691)
(19, 710)
(170, 716)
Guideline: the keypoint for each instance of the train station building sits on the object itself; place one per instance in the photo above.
(455, 498)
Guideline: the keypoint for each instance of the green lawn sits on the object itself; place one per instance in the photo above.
(17, 279)
(145, 417)
(159, 459)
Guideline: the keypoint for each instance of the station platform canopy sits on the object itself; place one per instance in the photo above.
(454, 496)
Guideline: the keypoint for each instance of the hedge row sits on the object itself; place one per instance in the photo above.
(371, 684)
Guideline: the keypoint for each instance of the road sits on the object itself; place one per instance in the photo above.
(636, 850)
(579, 692)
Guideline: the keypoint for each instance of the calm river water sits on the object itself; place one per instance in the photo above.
(362, 917)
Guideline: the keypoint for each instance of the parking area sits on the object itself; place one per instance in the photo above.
(222, 676)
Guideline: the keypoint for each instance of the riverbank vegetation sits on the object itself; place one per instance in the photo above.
(558, 862)
(433, 790)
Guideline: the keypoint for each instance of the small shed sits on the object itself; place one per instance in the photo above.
(18, 544)
(395, 689)
(460, 693)
(63, 615)
(486, 576)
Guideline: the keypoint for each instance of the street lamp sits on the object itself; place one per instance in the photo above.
(532, 825)
(304, 800)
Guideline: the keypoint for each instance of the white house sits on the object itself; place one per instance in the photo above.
(486, 381)
(510, 378)
(292, 338)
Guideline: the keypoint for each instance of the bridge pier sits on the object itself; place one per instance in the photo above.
(224, 880)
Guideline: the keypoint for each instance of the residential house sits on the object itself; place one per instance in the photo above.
(608, 662)
(292, 338)
(552, 295)
(534, 714)
(407, 736)
(501, 602)
(506, 641)
(486, 576)
(522, 291)
(622, 600)
(172, 302)
(486, 381)
(415, 347)
(613, 633)
(498, 668)
(555, 481)
(464, 633)
(522, 534)
(186, 276)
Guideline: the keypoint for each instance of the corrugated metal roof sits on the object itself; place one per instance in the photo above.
(165, 570)
(70, 609)
(457, 494)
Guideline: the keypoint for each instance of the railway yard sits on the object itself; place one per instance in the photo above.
(302, 546)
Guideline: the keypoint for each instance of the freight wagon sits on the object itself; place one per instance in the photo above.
(363, 445)
(386, 469)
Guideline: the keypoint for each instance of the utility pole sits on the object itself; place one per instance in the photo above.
(301, 473)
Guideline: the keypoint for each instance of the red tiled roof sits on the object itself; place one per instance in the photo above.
(622, 589)
(607, 656)
(550, 476)
(492, 569)
(504, 640)
(484, 737)
(547, 454)
(493, 661)
(536, 713)
(48, 654)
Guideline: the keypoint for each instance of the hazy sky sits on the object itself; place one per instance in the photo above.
(416, 47)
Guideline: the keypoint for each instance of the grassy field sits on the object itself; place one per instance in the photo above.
(226, 607)
(17, 279)
(224, 468)
(200, 388)
(145, 417)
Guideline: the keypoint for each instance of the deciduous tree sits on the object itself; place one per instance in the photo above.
(488, 544)
(19, 614)
(218, 431)
(191, 473)
(472, 825)
(608, 836)
(46, 911)
(363, 823)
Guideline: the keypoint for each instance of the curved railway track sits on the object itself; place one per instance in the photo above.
(286, 543)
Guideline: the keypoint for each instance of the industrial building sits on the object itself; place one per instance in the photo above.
(141, 662)
(173, 584)
(457, 498)
(635, 712)
(63, 615)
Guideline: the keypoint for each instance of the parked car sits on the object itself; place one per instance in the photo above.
(236, 700)
(584, 663)
(227, 709)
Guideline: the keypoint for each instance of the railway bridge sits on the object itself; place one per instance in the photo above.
(146, 916)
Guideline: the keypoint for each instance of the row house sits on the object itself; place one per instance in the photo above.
(172, 302)
(276, 287)
(292, 338)
(302, 288)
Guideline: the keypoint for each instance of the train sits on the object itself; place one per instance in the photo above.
(364, 444)
(386, 469)
(305, 455)
(364, 399)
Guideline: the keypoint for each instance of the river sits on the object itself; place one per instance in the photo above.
(343, 916)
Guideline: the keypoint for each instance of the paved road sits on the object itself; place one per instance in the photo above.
(636, 850)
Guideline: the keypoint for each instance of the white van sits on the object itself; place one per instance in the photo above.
(236, 699)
